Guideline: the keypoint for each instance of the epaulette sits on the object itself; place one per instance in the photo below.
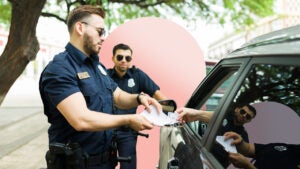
(134, 69)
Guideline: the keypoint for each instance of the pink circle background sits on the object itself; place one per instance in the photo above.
(170, 56)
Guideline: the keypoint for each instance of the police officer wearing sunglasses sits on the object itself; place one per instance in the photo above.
(132, 80)
(234, 121)
(79, 96)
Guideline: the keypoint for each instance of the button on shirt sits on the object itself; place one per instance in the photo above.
(134, 81)
(70, 72)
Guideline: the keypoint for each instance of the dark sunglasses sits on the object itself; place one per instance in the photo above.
(127, 58)
(100, 31)
(243, 112)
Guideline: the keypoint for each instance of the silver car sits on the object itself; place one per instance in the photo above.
(265, 73)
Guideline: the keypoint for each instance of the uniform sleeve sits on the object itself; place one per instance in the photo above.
(58, 82)
(147, 85)
(258, 148)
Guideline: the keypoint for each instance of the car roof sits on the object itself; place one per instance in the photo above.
(284, 41)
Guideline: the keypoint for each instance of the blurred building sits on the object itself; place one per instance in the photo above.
(287, 14)
(48, 48)
(3, 39)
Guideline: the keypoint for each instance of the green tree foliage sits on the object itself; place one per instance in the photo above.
(21, 17)
(272, 83)
(237, 12)
(5, 14)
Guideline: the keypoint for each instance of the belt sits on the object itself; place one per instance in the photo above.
(98, 159)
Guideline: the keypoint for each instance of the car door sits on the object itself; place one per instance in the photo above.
(183, 146)
(269, 83)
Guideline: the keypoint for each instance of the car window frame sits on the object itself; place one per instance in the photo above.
(237, 63)
(217, 119)
(204, 89)
(246, 66)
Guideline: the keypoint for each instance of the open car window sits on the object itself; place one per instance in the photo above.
(273, 90)
(218, 87)
(263, 73)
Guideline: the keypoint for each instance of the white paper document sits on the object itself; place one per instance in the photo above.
(160, 119)
(226, 144)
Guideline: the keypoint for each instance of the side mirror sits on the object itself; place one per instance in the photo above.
(168, 105)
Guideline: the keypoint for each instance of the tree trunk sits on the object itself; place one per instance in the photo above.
(22, 44)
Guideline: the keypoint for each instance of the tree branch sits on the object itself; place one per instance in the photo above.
(46, 14)
(141, 3)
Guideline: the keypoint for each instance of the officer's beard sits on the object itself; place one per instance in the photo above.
(88, 45)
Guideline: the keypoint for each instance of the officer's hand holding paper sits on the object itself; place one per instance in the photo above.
(226, 144)
(160, 118)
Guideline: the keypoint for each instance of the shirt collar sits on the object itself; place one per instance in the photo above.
(127, 74)
(79, 56)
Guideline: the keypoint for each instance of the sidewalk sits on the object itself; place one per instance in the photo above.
(23, 128)
(24, 93)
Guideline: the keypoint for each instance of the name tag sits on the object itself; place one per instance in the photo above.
(83, 75)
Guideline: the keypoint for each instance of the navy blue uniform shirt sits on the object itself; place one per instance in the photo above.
(228, 125)
(277, 156)
(70, 72)
(134, 81)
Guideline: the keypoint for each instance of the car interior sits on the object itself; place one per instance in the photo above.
(273, 90)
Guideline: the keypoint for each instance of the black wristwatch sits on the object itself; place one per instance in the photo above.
(138, 98)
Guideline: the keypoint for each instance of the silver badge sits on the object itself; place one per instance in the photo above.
(131, 82)
(280, 148)
(225, 122)
(102, 70)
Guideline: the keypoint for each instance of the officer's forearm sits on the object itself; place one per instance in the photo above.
(205, 116)
(75, 111)
(246, 149)
(124, 100)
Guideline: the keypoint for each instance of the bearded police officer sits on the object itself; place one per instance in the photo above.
(78, 98)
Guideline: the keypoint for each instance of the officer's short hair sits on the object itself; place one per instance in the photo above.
(121, 46)
(82, 12)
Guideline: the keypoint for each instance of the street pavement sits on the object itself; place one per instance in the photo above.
(23, 127)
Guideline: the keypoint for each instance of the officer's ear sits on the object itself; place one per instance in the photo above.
(78, 28)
